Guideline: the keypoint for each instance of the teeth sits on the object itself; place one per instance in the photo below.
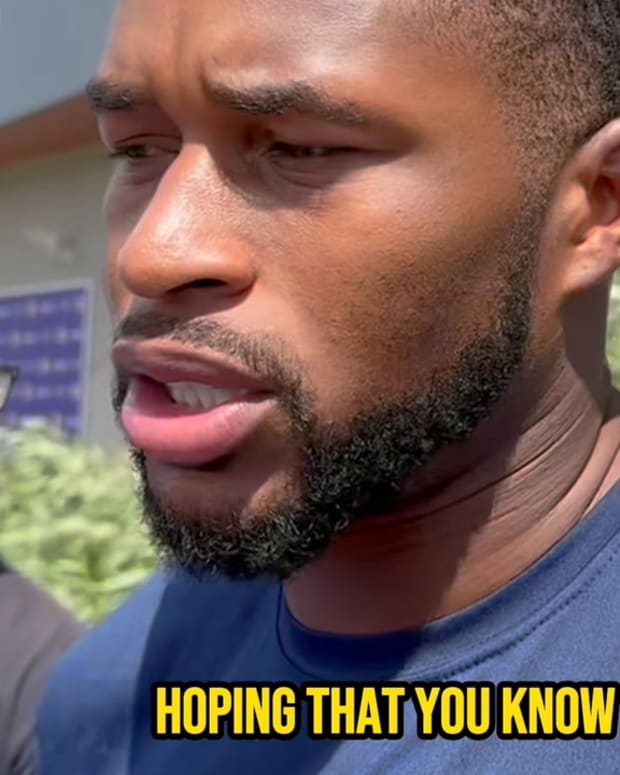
(201, 397)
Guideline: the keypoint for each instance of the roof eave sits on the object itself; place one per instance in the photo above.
(62, 128)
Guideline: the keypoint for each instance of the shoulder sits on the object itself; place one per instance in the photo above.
(88, 715)
(99, 676)
(90, 691)
(172, 603)
(36, 632)
(31, 619)
(114, 645)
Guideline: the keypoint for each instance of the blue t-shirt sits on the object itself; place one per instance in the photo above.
(559, 622)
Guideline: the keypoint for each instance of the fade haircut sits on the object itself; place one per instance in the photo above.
(554, 63)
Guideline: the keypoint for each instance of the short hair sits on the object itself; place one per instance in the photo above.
(556, 64)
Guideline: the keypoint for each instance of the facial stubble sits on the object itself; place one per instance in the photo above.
(346, 472)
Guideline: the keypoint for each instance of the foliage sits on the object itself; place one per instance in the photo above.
(70, 521)
(613, 339)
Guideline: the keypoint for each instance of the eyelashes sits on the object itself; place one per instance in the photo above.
(144, 151)
(262, 164)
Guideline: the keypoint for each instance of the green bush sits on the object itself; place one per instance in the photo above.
(613, 339)
(69, 520)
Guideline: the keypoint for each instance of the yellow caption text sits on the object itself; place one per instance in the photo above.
(386, 711)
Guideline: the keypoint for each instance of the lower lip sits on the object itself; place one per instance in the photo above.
(178, 435)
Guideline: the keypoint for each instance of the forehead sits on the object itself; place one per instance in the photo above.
(377, 53)
(278, 35)
(262, 40)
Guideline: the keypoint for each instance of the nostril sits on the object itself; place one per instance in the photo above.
(201, 284)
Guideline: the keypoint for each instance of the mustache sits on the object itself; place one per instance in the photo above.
(254, 352)
(193, 333)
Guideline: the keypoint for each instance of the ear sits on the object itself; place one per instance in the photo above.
(590, 206)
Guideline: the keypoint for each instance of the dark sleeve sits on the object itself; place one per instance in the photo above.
(34, 633)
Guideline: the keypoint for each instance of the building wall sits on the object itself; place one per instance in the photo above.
(48, 50)
(51, 232)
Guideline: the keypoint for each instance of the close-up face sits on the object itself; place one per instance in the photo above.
(318, 226)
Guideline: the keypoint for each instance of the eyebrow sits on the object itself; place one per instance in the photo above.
(105, 96)
(297, 97)
(294, 97)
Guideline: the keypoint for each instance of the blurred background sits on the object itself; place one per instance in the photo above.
(68, 518)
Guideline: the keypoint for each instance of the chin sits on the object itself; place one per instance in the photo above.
(217, 494)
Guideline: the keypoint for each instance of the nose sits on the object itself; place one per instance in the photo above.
(188, 236)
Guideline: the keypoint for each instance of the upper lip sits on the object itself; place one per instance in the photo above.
(167, 362)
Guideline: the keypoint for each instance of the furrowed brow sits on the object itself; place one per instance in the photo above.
(297, 97)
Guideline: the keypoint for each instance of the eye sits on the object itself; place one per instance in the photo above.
(135, 152)
(146, 162)
(303, 152)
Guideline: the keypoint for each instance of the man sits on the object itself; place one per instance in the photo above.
(34, 632)
(360, 258)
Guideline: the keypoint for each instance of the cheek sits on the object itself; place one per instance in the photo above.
(394, 293)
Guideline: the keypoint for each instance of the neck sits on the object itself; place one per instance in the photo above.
(452, 545)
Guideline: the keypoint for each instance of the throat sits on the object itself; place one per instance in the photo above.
(441, 555)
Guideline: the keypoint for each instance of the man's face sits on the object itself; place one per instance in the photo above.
(328, 215)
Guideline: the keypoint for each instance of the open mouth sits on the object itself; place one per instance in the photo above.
(189, 423)
(186, 407)
(203, 398)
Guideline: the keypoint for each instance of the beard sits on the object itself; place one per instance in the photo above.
(347, 472)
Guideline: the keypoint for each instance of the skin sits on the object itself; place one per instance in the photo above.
(350, 261)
